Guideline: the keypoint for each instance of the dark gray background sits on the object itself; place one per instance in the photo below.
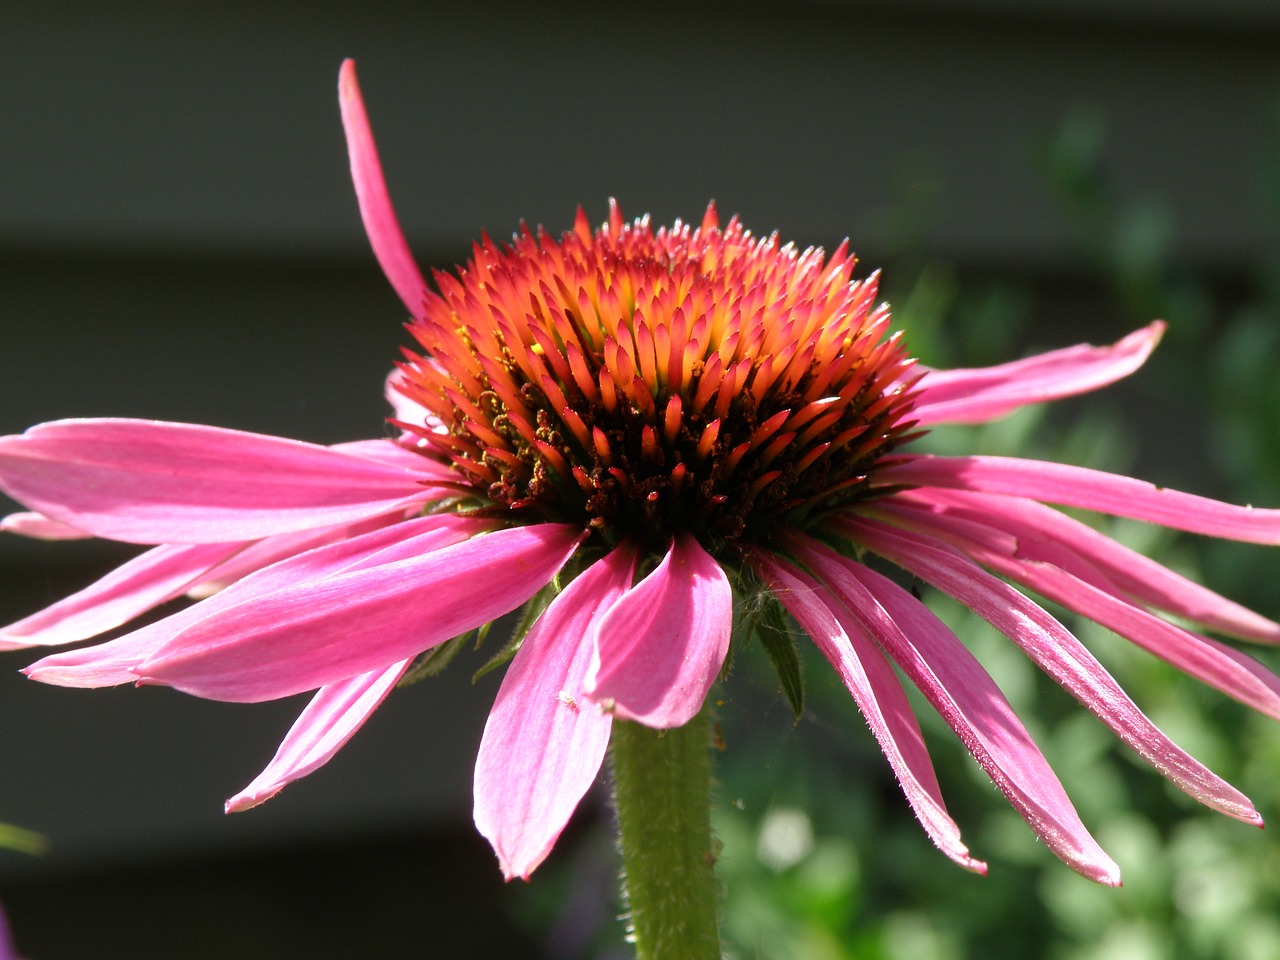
(178, 240)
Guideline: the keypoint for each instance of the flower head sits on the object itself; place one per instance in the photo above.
(645, 383)
(622, 426)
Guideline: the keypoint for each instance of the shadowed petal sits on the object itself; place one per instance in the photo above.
(1087, 489)
(969, 701)
(544, 742)
(879, 696)
(332, 717)
(380, 221)
(662, 644)
(307, 635)
(145, 582)
(1095, 555)
(114, 662)
(39, 527)
(146, 481)
(1055, 650)
(982, 394)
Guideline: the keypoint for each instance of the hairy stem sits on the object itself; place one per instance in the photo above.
(662, 794)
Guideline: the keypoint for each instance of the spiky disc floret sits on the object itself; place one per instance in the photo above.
(644, 382)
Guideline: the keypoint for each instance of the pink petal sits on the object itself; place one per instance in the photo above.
(979, 395)
(1055, 650)
(152, 482)
(157, 576)
(544, 742)
(879, 696)
(662, 644)
(423, 469)
(969, 701)
(1137, 576)
(1209, 661)
(1088, 489)
(380, 222)
(332, 717)
(40, 527)
(106, 664)
(270, 550)
(1044, 567)
(7, 950)
(310, 634)
(116, 661)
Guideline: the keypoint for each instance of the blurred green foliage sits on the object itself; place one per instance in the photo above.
(821, 857)
(22, 840)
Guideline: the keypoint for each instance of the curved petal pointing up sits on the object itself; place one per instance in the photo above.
(544, 742)
(1088, 489)
(663, 642)
(311, 634)
(380, 221)
(147, 481)
(982, 394)
(323, 728)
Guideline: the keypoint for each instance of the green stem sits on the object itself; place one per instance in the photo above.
(662, 793)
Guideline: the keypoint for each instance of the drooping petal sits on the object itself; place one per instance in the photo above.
(115, 662)
(544, 742)
(323, 728)
(157, 576)
(879, 696)
(661, 645)
(979, 395)
(146, 481)
(1046, 567)
(1142, 578)
(1055, 650)
(307, 635)
(380, 221)
(1222, 667)
(1087, 489)
(969, 701)
(39, 527)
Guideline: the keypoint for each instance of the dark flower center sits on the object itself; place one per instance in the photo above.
(642, 383)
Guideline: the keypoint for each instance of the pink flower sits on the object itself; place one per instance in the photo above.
(624, 426)
(7, 949)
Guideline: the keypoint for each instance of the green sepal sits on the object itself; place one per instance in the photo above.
(528, 617)
(432, 662)
(780, 644)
